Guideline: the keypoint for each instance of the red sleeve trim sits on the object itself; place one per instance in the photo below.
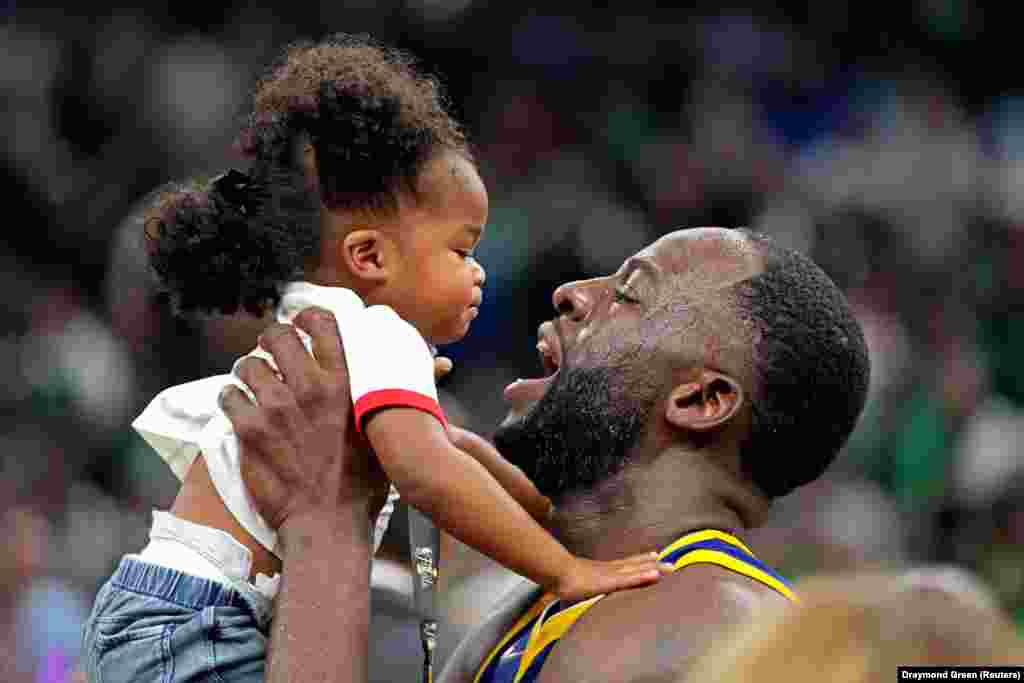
(385, 398)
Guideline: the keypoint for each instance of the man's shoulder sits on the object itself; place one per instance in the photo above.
(700, 595)
(654, 632)
(630, 635)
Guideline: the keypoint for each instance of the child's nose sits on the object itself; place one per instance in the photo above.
(481, 274)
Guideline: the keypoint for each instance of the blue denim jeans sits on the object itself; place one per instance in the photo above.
(151, 624)
(154, 624)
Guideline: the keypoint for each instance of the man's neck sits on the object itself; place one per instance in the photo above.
(647, 507)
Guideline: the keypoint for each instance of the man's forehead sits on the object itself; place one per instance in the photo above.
(708, 258)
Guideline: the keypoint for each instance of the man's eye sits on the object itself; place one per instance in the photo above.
(621, 297)
(464, 253)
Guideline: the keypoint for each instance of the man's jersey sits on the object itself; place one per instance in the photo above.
(519, 656)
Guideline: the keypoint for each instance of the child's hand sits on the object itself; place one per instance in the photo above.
(585, 578)
(442, 366)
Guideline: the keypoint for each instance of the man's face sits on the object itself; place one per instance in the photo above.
(619, 344)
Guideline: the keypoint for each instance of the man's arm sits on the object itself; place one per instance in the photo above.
(322, 617)
(312, 478)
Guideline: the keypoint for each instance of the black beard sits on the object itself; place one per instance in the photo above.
(577, 435)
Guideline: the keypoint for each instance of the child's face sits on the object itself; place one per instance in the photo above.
(438, 286)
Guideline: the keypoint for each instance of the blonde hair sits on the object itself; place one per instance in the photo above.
(860, 628)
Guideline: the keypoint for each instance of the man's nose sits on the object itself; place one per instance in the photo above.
(573, 300)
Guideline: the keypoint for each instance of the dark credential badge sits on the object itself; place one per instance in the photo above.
(425, 554)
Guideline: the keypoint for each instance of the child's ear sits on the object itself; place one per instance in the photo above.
(369, 254)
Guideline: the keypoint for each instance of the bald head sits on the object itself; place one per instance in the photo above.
(706, 260)
(694, 316)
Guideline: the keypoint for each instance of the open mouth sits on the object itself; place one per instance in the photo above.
(550, 352)
(550, 358)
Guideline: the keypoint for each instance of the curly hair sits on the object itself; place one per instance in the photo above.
(810, 366)
(228, 243)
(373, 121)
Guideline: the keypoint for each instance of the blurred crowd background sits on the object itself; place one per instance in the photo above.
(889, 146)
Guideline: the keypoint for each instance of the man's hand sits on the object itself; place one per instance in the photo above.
(300, 453)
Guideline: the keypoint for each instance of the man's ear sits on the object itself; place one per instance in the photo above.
(705, 403)
(369, 254)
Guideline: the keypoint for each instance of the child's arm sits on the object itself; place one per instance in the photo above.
(508, 475)
(461, 497)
